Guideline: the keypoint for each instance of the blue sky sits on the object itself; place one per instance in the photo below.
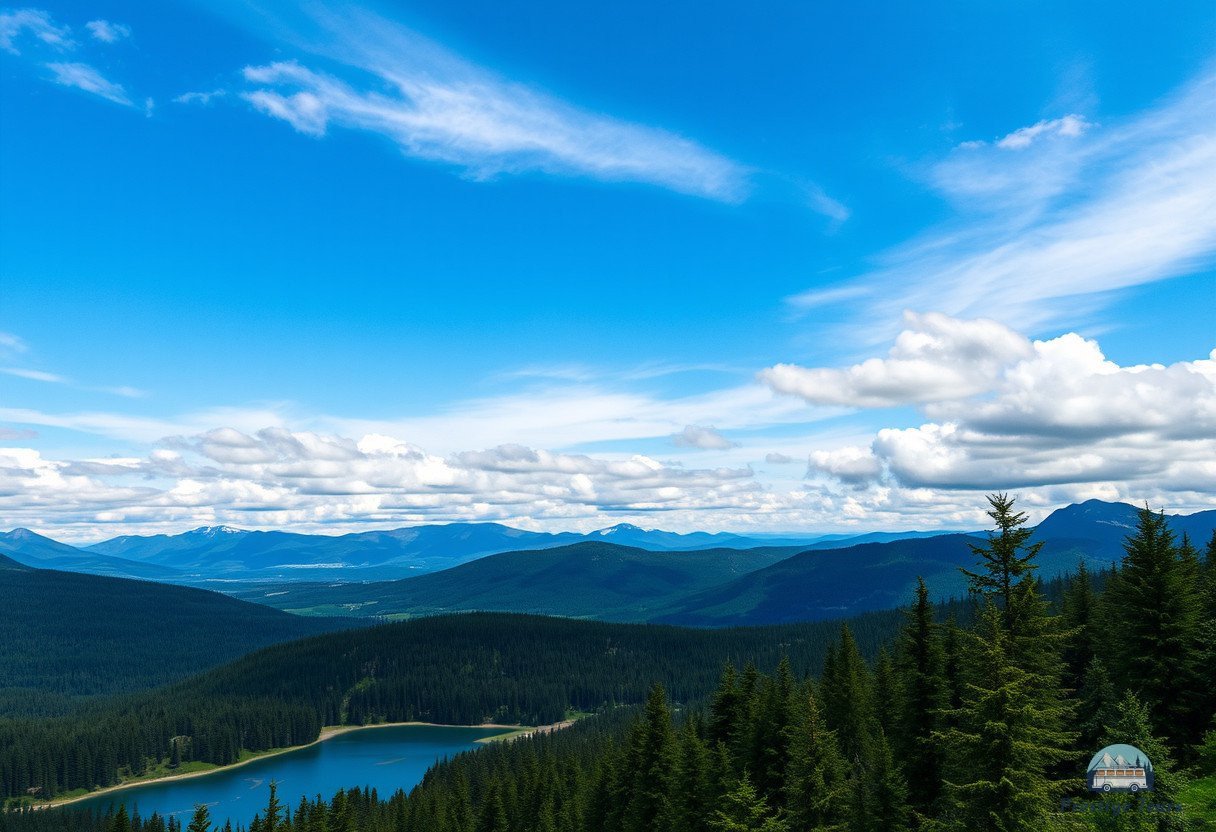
(345, 265)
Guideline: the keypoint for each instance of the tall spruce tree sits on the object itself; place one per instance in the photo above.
(1003, 741)
(200, 821)
(651, 760)
(1154, 608)
(924, 696)
(817, 779)
(1007, 556)
(743, 809)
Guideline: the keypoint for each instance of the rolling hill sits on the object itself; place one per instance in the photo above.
(833, 583)
(68, 635)
(32, 549)
(716, 587)
(597, 580)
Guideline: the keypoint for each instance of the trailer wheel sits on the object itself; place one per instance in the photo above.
(1135, 787)
(1106, 787)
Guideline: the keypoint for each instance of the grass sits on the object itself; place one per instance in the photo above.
(1199, 800)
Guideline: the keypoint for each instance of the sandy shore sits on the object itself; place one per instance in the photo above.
(328, 732)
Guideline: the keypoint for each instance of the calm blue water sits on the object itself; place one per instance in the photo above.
(386, 759)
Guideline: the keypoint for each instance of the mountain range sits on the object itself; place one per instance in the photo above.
(718, 587)
(672, 578)
(224, 553)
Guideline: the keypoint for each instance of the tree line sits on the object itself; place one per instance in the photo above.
(978, 716)
(462, 669)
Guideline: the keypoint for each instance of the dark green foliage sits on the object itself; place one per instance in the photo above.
(1003, 741)
(463, 669)
(68, 635)
(969, 725)
(1155, 607)
(1007, 556)
(923, 696)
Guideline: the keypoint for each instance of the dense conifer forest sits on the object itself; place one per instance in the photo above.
(977, 717)
(462, 669)
(69, 636)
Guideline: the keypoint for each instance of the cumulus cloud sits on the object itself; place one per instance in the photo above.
(88, 78)
(705, 438)
(38, 23)
(851, 465)
(275, 476)
(775, 458)
(1055, 413)
(437, 106)
(935, 358)
(107, 32)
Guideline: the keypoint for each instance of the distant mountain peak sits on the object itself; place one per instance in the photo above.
(620, 527)
(215, 531)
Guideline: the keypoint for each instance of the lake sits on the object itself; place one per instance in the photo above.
(387, 759)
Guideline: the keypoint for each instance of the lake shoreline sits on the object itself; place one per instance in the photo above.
(327, 733)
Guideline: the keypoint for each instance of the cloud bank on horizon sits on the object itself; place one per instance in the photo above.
(969, 356)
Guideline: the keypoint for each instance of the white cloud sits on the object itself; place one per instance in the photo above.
(33, 375)
(1100, 209)
(107, 32)
(1056, 413)
(11, 344)
(851, 465)
(775, 458)
(13, 22)
(935, 358)
(1069, 127)
(87, 78)
(203, 98)
(705, 438)
(437, 106)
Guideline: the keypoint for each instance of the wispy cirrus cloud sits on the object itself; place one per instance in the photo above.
(88, 78)
(435, 105)
(33, 375)
(35, 22)
(1060, 209)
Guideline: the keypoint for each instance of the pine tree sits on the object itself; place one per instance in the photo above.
(724, 708)
(1096, 703)
(694, 791)
(817, 781)
(887, 793)
(1006, 558)
(1003, 742)
(493, 817)
(1154, 606)
(924, 696)
(272, 822)
(1079, 614)
(121, 822)
(201, 820)
(744, 810)
(848, 700)
(651, 761)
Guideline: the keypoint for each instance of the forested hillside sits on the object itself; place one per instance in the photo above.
(981, 726)
(597, 580)
(68, 635)
(454, 669)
